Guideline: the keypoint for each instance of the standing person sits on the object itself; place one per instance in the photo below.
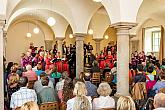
(102, 61)
(23, 95)
(109, 47)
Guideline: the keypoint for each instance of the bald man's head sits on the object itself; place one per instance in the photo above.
(159, 100)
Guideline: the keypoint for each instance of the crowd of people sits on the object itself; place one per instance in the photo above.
(53, 80)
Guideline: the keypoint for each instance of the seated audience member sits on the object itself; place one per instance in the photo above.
(95, 67)
(161, 83)
(91, 88)
(139, 77)
(31, 75)
(38, 85)
(56, 75)
(12, 85)
(39, 70)
(47, 93)
(30, 106)
(104, 101)
(80, 101)
(23, 95)
(60, 84)
(159, 101)
(125, 103)
(106, 69)
(67, 89)
(150, 76)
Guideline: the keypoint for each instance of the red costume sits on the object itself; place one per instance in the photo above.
(109, 60)
(102, 61)
(65, 65)
(48, 63)
(58, 63)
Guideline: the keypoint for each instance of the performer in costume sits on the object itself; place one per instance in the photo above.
(59, 62)
(109, 47)
(102, 60)
(109, 60)
(89, 48)
(65, 64)
(48, 60)
(24, 60)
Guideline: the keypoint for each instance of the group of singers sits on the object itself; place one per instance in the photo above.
(66, 61)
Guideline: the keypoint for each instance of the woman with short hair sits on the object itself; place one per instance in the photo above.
(125, 103)
(80, 101)
(104, 101)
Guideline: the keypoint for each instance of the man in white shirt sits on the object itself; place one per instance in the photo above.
(23, 95)
(159, 101)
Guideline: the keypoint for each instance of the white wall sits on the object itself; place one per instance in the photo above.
(18, 43)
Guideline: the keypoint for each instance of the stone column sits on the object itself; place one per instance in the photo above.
(97, 42)
(48, 44)
(79, 53)
(123, 56)
(1, 67)
(4, 42)
(59, 46)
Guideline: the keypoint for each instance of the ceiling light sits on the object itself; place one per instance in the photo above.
(106, 36)
(71, 36)
(97, 0)
(90, 31)
(36, 30)
(29, 35)
(51, 21)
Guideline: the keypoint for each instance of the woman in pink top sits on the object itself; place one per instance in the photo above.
(31, 75)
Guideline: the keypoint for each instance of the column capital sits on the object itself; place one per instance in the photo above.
(97, 40)
(60, 38)
(79, 34)
(124, 25)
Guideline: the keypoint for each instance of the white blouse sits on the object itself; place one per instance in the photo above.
(70, 103)
(103, 102)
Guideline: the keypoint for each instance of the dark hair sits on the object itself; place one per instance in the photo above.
(43, 74)
(157, 64)
(162, 75)
(23, 81)
(140, 67)
(9, 65)
(45, 81)
(87, 78)
(150, 69)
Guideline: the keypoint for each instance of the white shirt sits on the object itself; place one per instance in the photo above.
(70, 103)
(22, 96)
(103, 102)
(60, 85)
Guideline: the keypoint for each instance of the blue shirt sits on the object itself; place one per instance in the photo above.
(91, 89)
(158, 85)
(39, 72)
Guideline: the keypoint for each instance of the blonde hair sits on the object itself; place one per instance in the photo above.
(13, 79)
(125, 103)
(81, 101)
(104, 89)
(30, 106)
